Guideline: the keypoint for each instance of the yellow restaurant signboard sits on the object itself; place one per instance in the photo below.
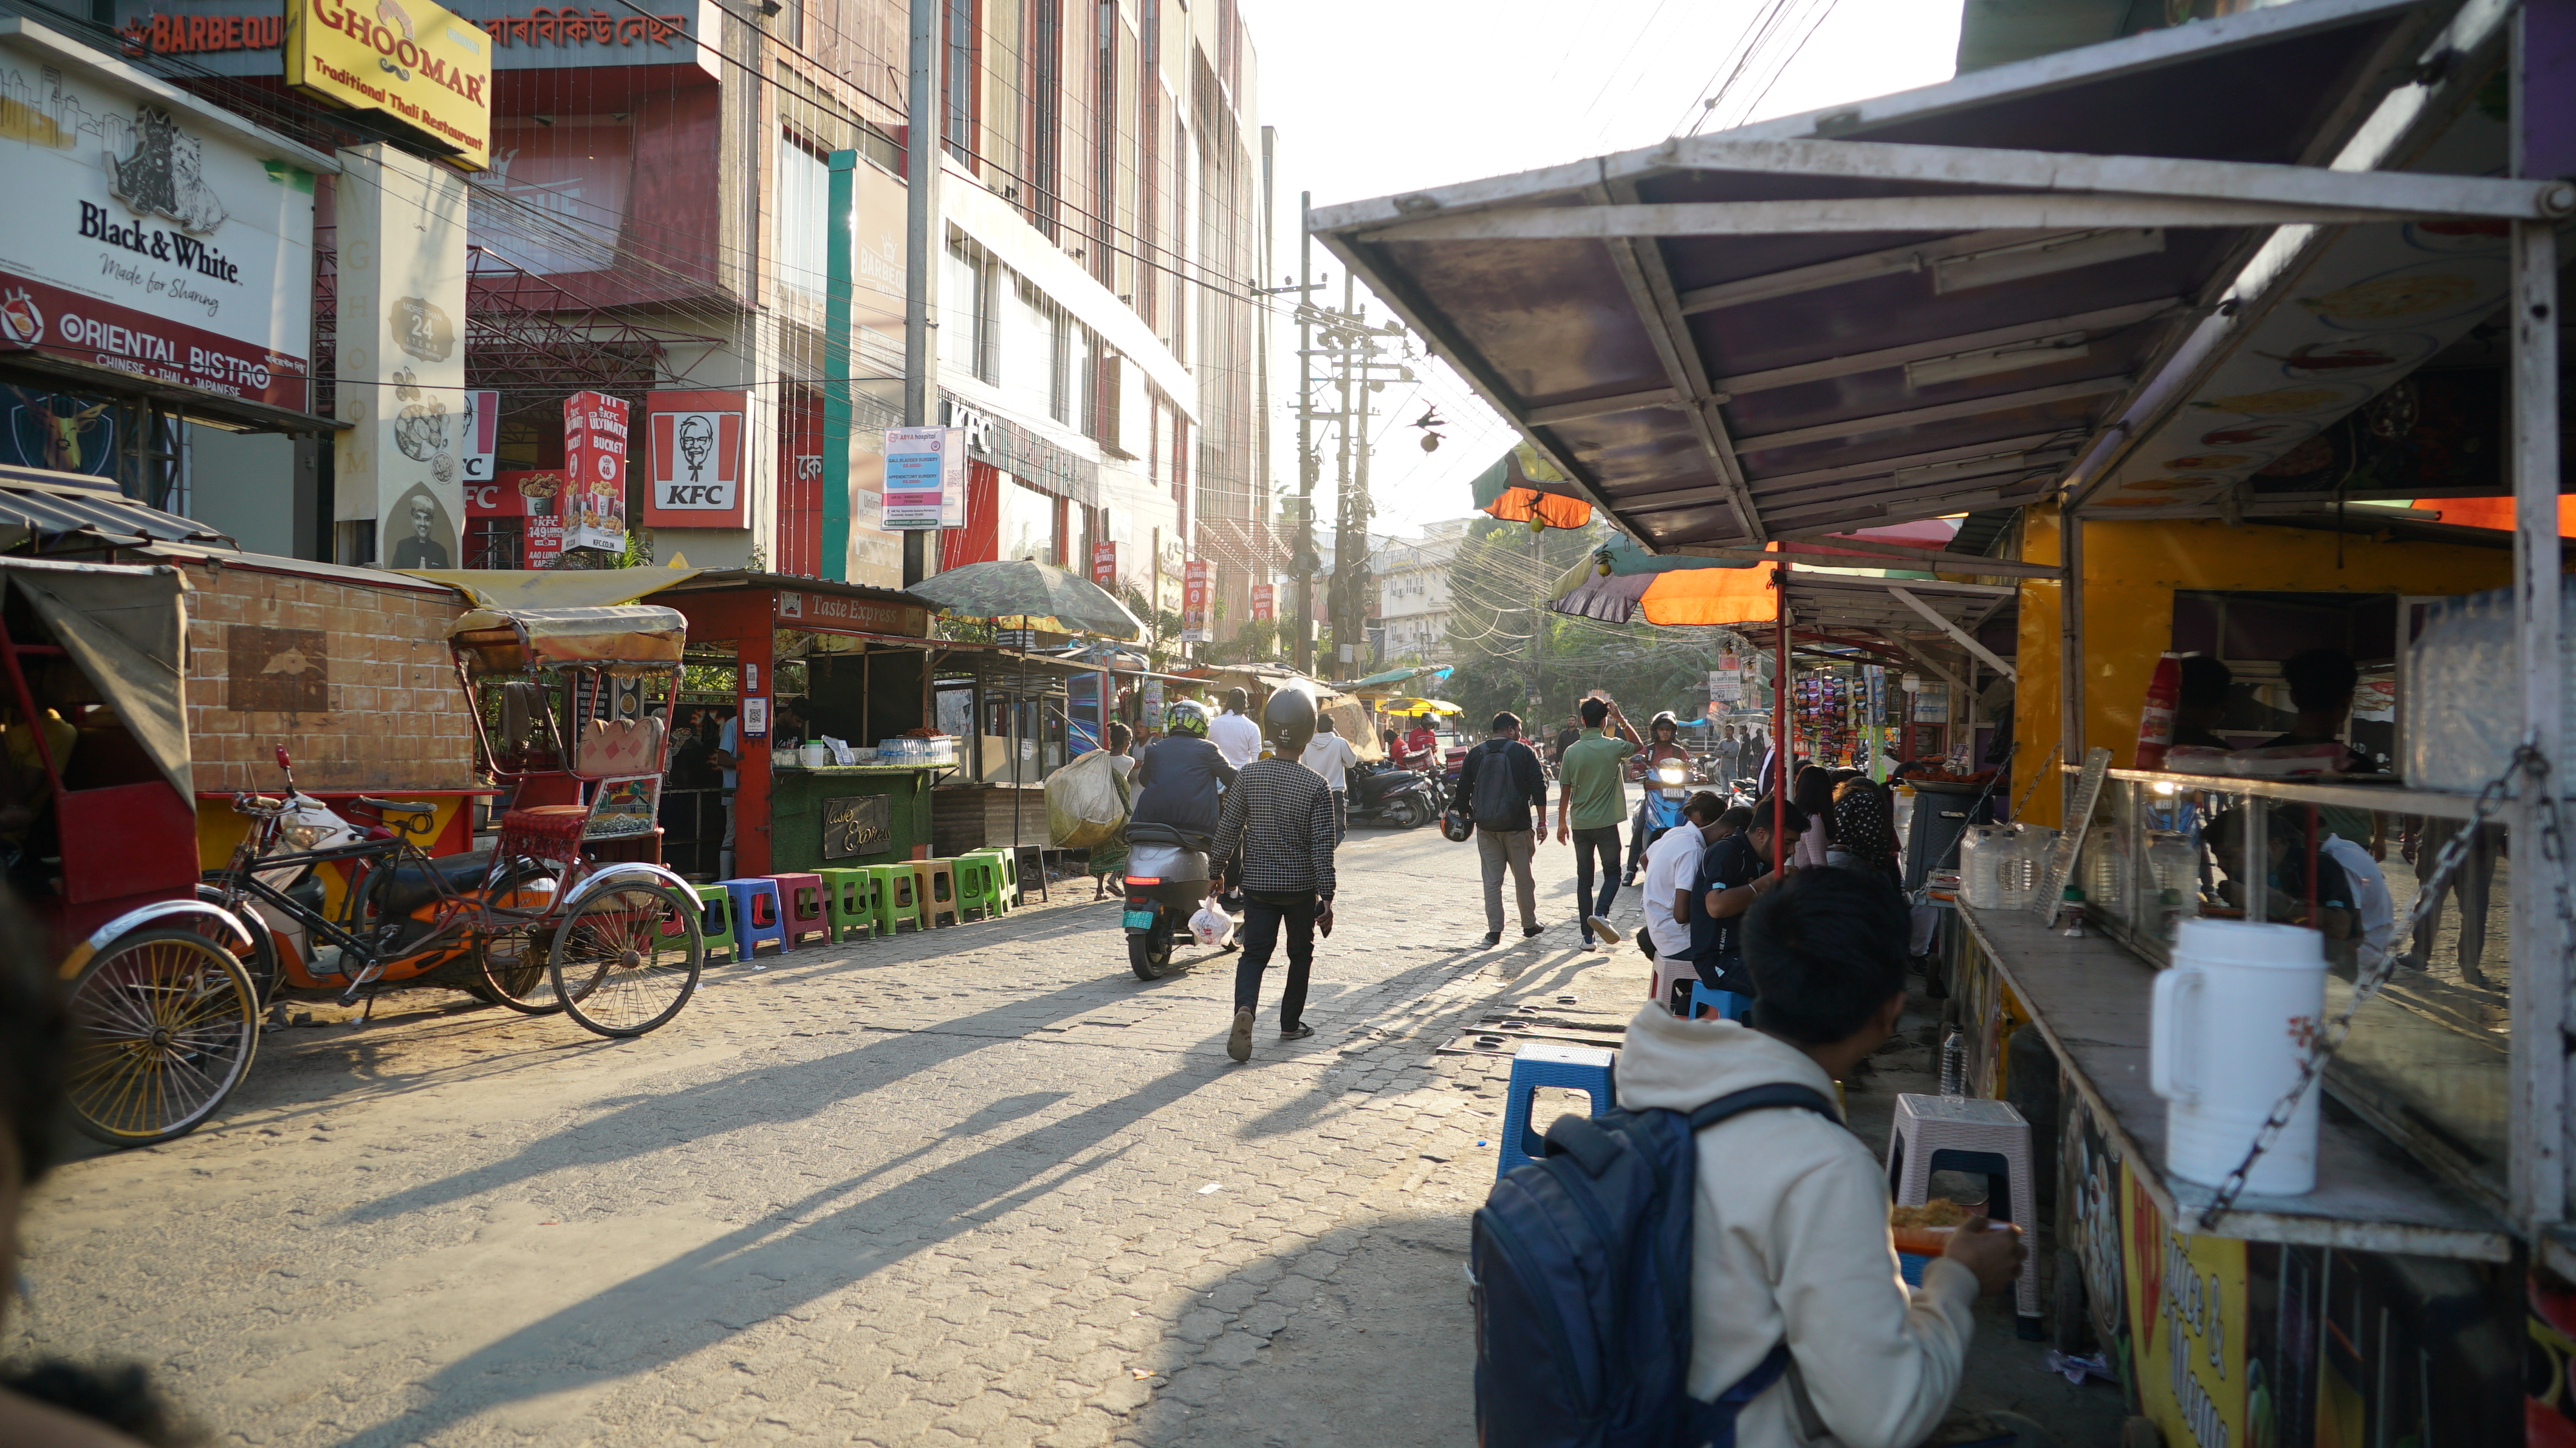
(410, 59)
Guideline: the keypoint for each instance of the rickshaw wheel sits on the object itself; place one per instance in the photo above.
(627, 959)
(166, 1024)
(510, 965)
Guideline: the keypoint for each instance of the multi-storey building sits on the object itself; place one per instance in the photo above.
(654, 217)
(1412, 579)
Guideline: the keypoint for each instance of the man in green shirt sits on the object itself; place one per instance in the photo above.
(1592, 798)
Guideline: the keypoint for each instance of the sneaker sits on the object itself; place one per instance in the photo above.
(1238, 1042)
(1608, 932)
(1628, 881)
(1529, 930)
(1295, 1033)
(1493, 938)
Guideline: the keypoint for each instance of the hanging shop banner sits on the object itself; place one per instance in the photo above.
(1104, 564)
(921, 464)
(422, 65)
(401, 353)
(154, 239)
(594, 501)
(1264, 602)
(479, 436)
(693, 459)
(1194, 602)
(526, 500)
(1932, 704)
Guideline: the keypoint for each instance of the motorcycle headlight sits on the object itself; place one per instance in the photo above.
(304, 837)
(1670, 773)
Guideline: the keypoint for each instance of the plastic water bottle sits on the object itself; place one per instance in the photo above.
(1954, 1065)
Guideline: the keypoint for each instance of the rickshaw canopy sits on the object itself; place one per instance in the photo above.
(123, 627)
(516, 640)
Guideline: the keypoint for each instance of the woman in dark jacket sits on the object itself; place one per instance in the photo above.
(1864, 829)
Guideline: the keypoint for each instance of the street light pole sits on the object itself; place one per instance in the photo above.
(921, 250)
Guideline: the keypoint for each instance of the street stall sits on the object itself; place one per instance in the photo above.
(2249, 299)
(783, 658)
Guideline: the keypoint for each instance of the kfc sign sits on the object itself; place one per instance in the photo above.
(693, 459)
(1104, 564)
(1264, 598)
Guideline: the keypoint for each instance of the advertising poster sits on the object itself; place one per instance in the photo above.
(594, 500)
(1194, 602)
(401, 354)
(528, 499)
(478, 436)
(166, 246)
(1104, 564)
(2187, 1321)
(919, 462)
(1154, 703)
(693, 456)
(415, 62)
(1264, 602)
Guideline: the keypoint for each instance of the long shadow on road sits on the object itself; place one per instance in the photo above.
(764, 1269)
(769, 1094)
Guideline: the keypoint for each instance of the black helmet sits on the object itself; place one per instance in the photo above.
(1661, 721)
(1288, 722)
(1186, 716)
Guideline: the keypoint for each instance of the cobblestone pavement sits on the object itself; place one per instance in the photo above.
(980, 1186)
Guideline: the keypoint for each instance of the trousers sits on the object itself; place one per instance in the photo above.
(1601, 844)
(1262, 916)
(1512, 849)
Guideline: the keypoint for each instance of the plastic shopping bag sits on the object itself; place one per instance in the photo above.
(1087, 801)
(1213, 927)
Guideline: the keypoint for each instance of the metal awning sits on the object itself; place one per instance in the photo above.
(1924, 304)
(41, 503)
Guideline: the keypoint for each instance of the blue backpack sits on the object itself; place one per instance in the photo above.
(1582, 1265)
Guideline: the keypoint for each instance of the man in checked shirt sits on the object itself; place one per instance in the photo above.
(1278, 820)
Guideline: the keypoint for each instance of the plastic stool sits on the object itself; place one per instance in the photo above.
(801, 909)
(1006, 873)
(897, 897)
(1729, 1005)
(849, 903)
(934, 884)
(1545, 1063)
(756, 915)
(1976, 1135)
(715, 921)
(979, 885)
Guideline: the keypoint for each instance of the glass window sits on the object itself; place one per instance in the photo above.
(803, 238)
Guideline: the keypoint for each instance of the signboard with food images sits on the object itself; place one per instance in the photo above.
(409, 59)
(528, 497)
(2347, 337)
(594, 500)
(172, 243)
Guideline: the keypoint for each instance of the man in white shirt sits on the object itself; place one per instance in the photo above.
(2373, 908)
(1235, 735)
(1672, 862)
(1331, 756)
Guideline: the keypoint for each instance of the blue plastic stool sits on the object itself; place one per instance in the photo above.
(752, 901)
(1731, 1005)
(1545, 1063)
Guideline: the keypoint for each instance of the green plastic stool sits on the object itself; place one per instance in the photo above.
(715, 922)
(896, 898)
(979, 885)
(1005, 875)
(849, 903)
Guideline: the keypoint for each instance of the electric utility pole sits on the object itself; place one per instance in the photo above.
(921, 252)
(1301, 517)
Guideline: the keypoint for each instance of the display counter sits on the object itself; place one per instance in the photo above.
(839, 815)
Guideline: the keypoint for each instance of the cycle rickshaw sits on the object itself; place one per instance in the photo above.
(558, 913)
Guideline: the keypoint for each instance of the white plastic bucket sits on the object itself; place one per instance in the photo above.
(2232, 1021)
(813, 754)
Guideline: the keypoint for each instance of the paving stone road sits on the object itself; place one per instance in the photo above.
(978, 1186)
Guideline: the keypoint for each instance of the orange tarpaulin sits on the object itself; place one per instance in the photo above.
(1723, 597)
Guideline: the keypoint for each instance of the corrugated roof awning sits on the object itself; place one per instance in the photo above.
(1925, 304)
(37, 501)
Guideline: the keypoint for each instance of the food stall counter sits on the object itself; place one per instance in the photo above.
(2088, 997)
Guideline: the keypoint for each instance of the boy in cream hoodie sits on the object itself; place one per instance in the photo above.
(1789, 1235)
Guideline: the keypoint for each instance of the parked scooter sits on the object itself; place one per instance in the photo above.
(1167, 882)
(1404, 798)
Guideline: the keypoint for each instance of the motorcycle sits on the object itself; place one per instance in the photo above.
(1167, 881)
(1668, 788)
(1403, 797)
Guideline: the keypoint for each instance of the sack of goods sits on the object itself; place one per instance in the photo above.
(1213, 927)
(1086, 802)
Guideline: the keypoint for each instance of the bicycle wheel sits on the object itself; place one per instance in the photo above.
(628, 958)
(510, 965)
(166, 1024)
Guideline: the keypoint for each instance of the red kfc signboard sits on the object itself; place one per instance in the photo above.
(693, 460)
(1104, 564)
(534, 501)
(1263, 597)
(593, 505)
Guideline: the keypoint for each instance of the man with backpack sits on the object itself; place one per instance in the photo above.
(1504, 792)
(1799, 1329)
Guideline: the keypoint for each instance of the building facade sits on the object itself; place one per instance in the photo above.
(1411, 575)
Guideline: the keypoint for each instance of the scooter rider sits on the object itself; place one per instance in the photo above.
(1663, 741)
(1178, 777)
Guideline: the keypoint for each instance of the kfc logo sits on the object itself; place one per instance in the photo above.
(693, 458)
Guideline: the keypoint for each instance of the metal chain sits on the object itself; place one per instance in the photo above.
(2527, 760)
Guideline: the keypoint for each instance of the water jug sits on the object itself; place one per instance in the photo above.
(2231, 1025)
(813, 754)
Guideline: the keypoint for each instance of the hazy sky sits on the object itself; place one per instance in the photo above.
(1373, 97)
